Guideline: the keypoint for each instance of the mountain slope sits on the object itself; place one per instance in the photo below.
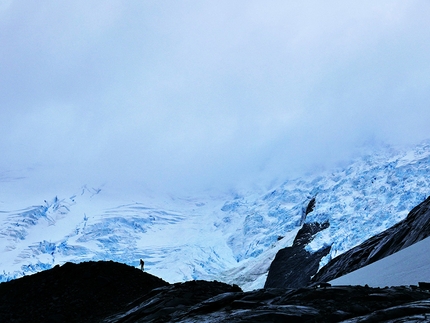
(409, 266)
(113, 292)
(414, 228)
(74, 293)
(232, 237)
(295, 267)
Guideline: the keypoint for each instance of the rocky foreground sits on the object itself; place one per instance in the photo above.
(113, 292)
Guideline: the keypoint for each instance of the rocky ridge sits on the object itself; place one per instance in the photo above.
(414, 228)
(112, 292)
(82, 292)
(295, 266)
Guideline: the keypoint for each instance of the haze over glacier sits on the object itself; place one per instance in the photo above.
(189, 97)
(181, 133)
(230, 237)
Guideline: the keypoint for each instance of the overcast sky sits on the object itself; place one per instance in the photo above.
(186, 95)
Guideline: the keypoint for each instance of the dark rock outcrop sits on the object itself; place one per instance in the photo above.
(181, 303)
(82, 292)
(294, 266)
(414, 228)
(165, 303)
(114, 293)
(311, 206)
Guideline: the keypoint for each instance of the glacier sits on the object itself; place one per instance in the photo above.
(230, 237)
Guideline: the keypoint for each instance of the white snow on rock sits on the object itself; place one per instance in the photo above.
(405, 267)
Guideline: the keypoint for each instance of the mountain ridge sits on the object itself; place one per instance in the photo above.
(111, 292)
(229, 237)
(403, 234)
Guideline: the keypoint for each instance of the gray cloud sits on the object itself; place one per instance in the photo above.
(184, 96)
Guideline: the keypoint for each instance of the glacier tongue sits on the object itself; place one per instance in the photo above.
(229, 237)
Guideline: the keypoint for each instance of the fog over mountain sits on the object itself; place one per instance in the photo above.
(182, 97)
(231, 237)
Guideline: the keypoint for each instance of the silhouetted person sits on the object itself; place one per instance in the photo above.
(142, 263)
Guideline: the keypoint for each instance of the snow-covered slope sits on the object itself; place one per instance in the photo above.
(230, 237)
(178, 244)
(406, 267)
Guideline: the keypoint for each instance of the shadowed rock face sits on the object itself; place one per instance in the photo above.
(331, 304)
(81, 292)
(414, 228)
(114, 293)
(293, 266)
(165, 303)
